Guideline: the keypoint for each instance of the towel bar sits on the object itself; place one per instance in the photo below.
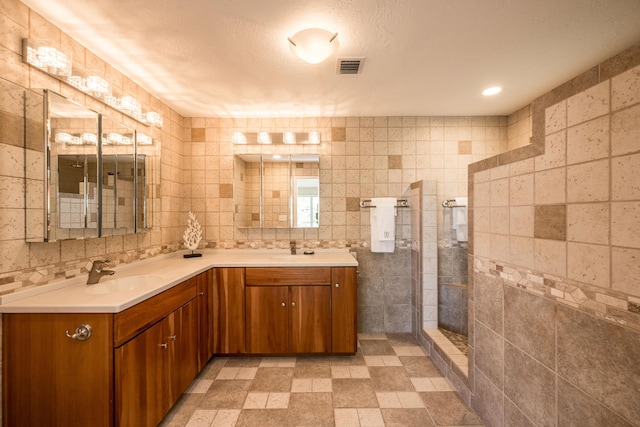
(449, 204)
(400, 203)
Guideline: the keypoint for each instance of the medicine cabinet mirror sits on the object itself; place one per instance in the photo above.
(276, 191)
(95, 181)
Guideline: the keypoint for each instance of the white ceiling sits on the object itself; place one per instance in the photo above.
(230, 58)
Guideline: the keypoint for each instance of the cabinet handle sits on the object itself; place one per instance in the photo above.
(284, 305)
(337, 285)
(82, 333)
(293, 303)
(173, 337)
(201, 293)
(164, 345)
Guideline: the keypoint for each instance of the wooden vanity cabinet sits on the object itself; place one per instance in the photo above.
(205, 317)
(344, 333)
(228, 310)
(288, 310)
(132, 369)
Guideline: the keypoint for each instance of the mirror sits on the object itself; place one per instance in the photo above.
(277, 191)
(118, 175)
(72, 167)
(86, 175)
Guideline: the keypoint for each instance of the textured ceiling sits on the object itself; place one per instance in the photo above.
(230, 58)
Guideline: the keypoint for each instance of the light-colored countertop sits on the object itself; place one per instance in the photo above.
(111, 295)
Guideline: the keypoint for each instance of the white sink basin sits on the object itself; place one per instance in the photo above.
(123, 284)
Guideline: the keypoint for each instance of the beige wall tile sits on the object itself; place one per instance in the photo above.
(550, 186)
(625, 89)
(555, 117)
(589, 264)
(521, 220)
(550, 256)
(625, 224)
(500, 220)
(521, 190)
(554, 152)
(589, 104)
(588, 182)
(521, 251)
(625, 178)
(500, 247)
(625, 132)
(625, 264)
(588, 223)
(500, 192)
(588, 141)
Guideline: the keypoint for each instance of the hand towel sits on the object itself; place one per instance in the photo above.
(383, 223)
(459, 219)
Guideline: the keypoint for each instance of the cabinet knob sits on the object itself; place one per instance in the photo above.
(284, 305)
(82, 333)
(201, 293)
(164, 345)
(173, 337)
(293, 304)
(337, 285)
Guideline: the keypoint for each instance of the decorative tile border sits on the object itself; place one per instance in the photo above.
(614, 307)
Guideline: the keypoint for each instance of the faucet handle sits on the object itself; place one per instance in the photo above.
(99, 263)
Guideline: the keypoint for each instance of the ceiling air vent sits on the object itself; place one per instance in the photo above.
(350, 65)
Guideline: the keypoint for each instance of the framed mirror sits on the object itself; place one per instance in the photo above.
(276, 191)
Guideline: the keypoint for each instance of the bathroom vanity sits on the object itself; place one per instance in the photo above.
(122, 352)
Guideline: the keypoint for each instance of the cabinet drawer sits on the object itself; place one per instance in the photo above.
(288, 276)
(132, 321)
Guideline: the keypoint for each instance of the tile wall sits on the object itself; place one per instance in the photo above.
(555, 295)
(22, 264)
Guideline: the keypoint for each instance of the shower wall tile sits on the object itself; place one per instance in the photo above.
(489, 354)
(576, 408)
(529, 324)
(607, 372)
(527, 384)
(571, 308)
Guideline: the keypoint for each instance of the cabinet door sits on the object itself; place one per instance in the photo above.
(142, 380)
(51, 379)
(228, 310)
(205, 318)
(181, 333)
(267, 326)
(310, 319)
(343, 310)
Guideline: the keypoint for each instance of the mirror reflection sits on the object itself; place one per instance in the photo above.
(72, 167)
(276, 191)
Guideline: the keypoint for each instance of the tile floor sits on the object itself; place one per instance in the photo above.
(390, 381)
(459, 340)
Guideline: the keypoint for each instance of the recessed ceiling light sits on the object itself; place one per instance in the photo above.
(492, 91)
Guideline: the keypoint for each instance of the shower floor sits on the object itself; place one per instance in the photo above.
(459, 340)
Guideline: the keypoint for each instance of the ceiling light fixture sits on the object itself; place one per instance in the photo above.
(492, 91)
(313, 45)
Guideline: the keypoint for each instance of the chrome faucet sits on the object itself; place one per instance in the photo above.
(97, 271)
(292, 246)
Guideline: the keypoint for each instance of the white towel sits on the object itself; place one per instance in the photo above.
(459, 219)
(383, 224)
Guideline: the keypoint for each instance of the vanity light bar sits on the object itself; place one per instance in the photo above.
(287, 138)
(53, 61)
